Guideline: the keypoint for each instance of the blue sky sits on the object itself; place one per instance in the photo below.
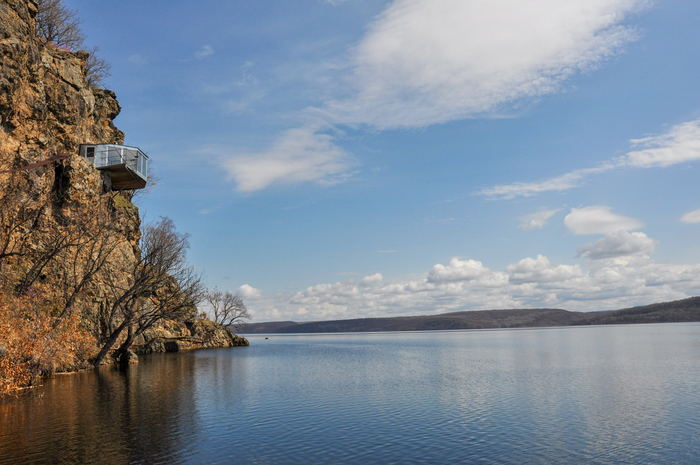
(341, 159)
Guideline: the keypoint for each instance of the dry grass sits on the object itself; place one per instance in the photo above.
(31, 347)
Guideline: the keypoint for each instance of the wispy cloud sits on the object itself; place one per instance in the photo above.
(537, 220)
(529, 189)
(205, 52)
(681, 144)
(299, 155)
(137, 59)
(426, 62)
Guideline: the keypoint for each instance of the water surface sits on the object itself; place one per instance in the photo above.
(611, 394)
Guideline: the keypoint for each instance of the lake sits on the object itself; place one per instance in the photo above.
(604, 394)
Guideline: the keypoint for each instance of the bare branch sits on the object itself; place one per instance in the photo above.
(228, 308)
(162, 286)
(59, 25)
(96, 69)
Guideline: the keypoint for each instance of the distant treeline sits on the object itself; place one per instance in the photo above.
(667, 312)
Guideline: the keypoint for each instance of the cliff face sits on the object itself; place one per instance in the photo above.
(45, 105)
(46, 108)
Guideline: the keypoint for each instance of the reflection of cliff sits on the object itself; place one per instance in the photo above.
(107, 416)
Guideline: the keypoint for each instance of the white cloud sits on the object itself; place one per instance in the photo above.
(458, 270)
(681, 144)
(206, 51)
(540, 270)
(536, 220)
(247, 291)
(372, 280)
(424, 62)
(692, 217)
(531, 282)
(599, 220)
(618, 244)
(529, 189)
(299, 155)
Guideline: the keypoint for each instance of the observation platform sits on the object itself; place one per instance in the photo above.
(126, 166)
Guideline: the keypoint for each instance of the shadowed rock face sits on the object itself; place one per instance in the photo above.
(46, 105)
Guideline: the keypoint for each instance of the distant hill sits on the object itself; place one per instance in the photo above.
(668, 312)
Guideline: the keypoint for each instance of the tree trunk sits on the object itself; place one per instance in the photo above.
(109, 343)
(127, 343)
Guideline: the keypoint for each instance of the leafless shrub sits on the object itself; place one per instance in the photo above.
(228, 308)
(162, 286)
(58, 25)
(96, 69)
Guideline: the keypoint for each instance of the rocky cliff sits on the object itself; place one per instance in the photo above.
(47, 108)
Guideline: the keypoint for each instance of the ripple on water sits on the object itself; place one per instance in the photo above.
(573, 395)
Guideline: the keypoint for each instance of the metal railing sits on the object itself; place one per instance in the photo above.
(121, 155)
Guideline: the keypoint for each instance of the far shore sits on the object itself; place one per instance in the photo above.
(679, 311)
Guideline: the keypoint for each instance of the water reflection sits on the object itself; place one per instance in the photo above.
(110, 415)
(569, 395)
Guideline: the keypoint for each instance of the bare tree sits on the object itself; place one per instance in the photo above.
(59, 25)
(50, 241)
(79, 265)
(162, 286)
(228, 308)
(96, 69)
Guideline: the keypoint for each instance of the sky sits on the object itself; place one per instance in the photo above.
(361, 158)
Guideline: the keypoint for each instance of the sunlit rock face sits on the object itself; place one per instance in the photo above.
(47, 108)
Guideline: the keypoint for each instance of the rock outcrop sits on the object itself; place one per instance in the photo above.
(46, 108)
(173, 336)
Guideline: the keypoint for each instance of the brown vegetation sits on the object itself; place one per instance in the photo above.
(34, 342)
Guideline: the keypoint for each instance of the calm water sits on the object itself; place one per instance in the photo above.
(624, 394)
